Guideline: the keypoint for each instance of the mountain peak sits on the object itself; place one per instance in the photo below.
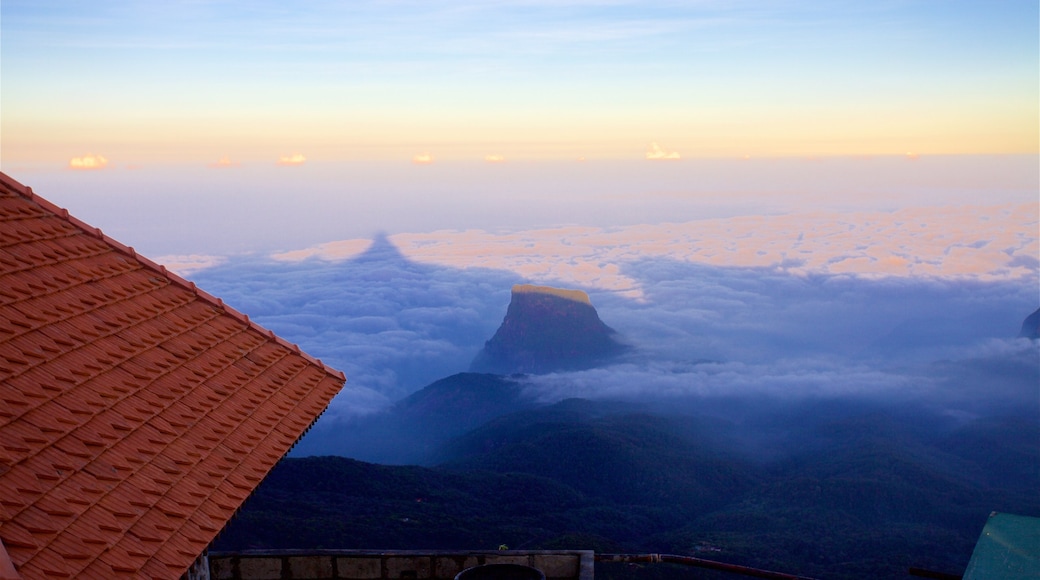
(575, 295)
(547, 329)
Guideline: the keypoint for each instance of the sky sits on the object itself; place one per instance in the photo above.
(262, 82)
(783, 196)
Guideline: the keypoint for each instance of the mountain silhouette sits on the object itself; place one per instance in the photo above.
(455, 404)
(613, 451)
(411, 430)
(1031, 326)
(547, 329)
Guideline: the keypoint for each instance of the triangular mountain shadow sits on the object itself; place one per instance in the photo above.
(381, 250)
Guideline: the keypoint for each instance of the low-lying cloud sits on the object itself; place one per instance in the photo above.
(392, 325)
(396, 315)
(1000, 376)
(997, 242)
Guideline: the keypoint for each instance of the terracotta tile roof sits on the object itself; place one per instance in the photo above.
(137, 412)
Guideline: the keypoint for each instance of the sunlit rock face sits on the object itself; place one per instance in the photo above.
(545, 330)
(1031, 326)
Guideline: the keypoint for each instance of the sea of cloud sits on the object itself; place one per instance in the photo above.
(920, 304)
(392, 325)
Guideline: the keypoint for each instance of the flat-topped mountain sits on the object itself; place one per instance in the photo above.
(548, 329)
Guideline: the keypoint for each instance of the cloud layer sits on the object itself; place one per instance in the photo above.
(963, 242)
(856, 298)
(391, 324)
(745, 306)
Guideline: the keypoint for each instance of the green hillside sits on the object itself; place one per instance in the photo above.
(856, 495)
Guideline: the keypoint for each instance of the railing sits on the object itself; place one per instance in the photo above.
(698, 562)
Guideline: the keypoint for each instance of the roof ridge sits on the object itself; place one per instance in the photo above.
(28, 193)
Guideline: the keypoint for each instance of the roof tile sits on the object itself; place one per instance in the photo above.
(146, 531)
(75, 447)
(87, 487)
(121, 561)
(38, 522)
(136, 412)
(22, 485)
(156, 569)
(65, 500)
(72, 547)
(14, 402)
(86, 530)
(15, 535)
(52, 564)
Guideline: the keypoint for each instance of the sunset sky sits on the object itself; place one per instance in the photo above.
(789, 187)
(466, 130)
(240, 82)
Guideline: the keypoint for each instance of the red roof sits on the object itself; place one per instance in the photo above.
(137, 412)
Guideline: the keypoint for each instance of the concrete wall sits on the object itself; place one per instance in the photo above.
(362, 565)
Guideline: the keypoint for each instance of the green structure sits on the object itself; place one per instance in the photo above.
(1008, 549)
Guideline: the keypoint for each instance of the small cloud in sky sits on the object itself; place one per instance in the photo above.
(89, 161)
(294, 159)
(422, 159)
(494, 158)
(655, 153)
(224, 161)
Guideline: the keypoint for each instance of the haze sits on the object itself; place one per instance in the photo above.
(782, 198)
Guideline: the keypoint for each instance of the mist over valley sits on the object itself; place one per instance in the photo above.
(827, 425)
